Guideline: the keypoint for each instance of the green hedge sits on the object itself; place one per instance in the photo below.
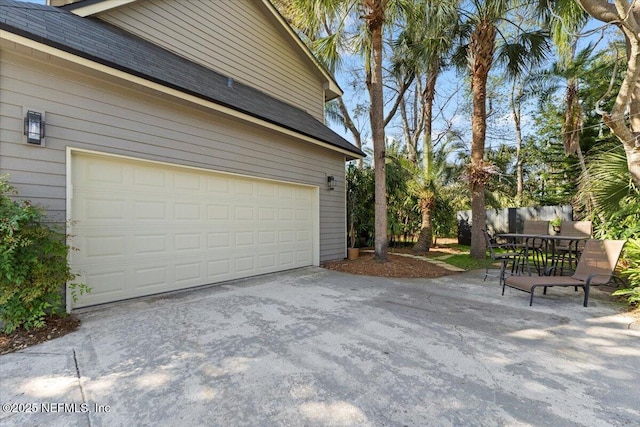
(34, 265)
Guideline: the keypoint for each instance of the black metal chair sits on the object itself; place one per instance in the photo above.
(512, 255)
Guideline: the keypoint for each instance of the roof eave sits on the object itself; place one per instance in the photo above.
(93, 7)
(39, 44)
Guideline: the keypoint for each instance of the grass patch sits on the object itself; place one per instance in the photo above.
(465, 262)
(463, 259)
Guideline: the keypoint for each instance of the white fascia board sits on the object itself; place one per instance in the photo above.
(99, 7)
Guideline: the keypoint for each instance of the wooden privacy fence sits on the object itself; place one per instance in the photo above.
(511, 220)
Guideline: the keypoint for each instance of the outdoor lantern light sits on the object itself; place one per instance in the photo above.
(331, 182)
(34, 127)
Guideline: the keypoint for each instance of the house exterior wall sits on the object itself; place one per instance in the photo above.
(86, 110)
(232, 37)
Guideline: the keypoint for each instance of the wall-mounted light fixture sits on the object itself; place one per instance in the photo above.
(331, 182)
(34, 127)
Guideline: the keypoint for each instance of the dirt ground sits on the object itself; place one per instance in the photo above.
(397, 266)
(55, 326)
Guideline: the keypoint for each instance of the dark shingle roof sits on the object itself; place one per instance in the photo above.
(103, 43)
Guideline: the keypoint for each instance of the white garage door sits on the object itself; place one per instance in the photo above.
(142, 228)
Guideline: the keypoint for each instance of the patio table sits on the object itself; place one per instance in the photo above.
(548, 244)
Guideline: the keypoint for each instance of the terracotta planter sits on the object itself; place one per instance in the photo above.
(353, 253)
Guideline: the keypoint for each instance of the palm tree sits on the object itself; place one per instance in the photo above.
(429, 185)
(424, 44)
(374, 15)
(568, 73)
(480, 51)
(324, 24)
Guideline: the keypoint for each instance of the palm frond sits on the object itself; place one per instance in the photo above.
(327, 50)
(528, 50)
(607, 181)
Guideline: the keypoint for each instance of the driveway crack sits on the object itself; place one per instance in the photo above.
(79, 376)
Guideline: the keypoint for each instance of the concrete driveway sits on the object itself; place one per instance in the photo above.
(315, 347)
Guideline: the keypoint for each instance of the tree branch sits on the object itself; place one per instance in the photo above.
(600, 9)
(401, 93)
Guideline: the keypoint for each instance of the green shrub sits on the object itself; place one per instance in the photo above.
(624, 224)
(34, 266)
(631, 272)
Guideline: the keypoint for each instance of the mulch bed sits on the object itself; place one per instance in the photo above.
(55, 326)
(397, 266)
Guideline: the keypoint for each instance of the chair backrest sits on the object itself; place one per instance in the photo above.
(598, 257)
(576, 228)
(536, 227)
(488, 242)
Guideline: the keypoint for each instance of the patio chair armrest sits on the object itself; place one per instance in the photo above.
(549, 270)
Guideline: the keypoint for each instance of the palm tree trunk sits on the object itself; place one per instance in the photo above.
(481, 46)
(375, 20)
(516, 111)
(427, 204)
(426, 228)
(572, 118)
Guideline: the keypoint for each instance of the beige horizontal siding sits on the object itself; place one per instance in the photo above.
(90, 113)
(234, 37)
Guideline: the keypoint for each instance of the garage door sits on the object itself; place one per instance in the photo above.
(143, 228)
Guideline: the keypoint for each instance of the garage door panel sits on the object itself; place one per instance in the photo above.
(218, 212)
(149, 178)
(218, 240)
(285, 214)
(149, 244)
(244, 238)
(188, 272)
(105, 282)
(112, 209)
(144, 228)
(186, 211)
(219, 267)
(267, 214)
(286, 236)
(218, 185)
(100, 172)
(243, 188)
(149, 211)
(267, 261)
(152, 277)
(188, 182)
(286, 258)
(267, 190)
(104, 246)
(266, 237)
